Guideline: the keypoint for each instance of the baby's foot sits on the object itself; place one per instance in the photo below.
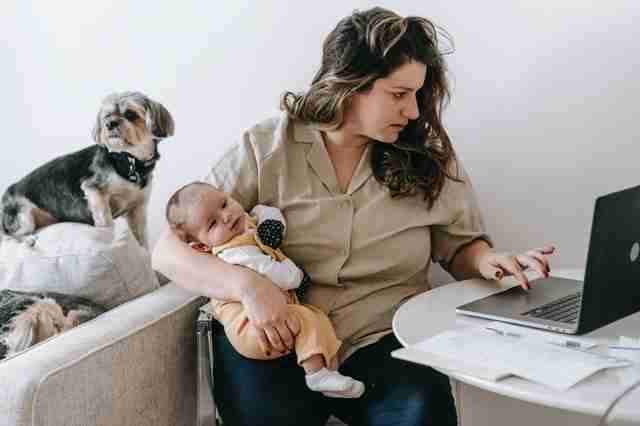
(334, 385)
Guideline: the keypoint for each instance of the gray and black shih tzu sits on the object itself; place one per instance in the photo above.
(98, 183)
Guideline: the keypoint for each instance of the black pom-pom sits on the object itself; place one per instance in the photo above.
(270, 232)
(305, 283)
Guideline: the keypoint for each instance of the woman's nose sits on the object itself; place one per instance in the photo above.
(411, 110)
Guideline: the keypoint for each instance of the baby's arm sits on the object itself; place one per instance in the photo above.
(285, 274)
(271, 225)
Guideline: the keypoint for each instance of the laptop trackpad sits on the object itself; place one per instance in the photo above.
(516, 301)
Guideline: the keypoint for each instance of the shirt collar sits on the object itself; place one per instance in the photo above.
(306, 133)
(318, 159)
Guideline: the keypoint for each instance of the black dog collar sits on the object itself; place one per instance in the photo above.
(132, 169)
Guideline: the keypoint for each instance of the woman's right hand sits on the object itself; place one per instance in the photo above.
(265, 304)
(266, 308)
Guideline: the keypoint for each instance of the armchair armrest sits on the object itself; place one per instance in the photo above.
(133, 365)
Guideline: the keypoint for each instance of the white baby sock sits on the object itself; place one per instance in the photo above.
(333, 384)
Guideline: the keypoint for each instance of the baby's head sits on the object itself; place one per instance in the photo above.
(199, 212)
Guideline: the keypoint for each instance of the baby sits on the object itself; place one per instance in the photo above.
(212, 221)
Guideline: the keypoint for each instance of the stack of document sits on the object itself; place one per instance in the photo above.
(498, 350)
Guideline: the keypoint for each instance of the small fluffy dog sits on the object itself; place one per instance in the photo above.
(29, 318)
(98, 183)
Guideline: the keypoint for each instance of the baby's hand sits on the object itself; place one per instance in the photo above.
(270, 232)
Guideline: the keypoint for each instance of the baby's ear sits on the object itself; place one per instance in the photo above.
(180, 233)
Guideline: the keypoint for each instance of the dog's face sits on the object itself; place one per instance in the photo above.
(133, 123)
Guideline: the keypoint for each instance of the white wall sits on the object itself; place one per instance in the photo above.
(544, 92)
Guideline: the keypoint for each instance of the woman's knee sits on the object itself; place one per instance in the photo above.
(408, 405)
(413, 394)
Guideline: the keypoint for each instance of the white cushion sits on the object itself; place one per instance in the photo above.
(104, 265)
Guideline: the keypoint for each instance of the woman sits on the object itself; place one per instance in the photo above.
(369, 184)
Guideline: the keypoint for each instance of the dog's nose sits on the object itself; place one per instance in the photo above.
(112, 124)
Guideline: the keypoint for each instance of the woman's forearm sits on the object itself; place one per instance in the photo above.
(200, 273)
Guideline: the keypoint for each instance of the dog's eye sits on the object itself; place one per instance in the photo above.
(130, 115)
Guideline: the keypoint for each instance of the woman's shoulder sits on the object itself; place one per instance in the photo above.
(269, 135)
(275, 134)
(268, 127)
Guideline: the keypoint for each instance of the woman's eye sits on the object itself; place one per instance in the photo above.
(130, 115)
(398, 95)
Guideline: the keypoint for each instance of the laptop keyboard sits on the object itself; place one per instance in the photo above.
(564, 309)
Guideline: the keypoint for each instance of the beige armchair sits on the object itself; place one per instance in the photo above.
(134, 365)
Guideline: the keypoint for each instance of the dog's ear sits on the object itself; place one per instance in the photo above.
(97, 129)
(160, 120)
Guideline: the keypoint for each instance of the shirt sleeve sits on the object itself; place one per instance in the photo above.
(236, 173)
(284, 274)
(462, 223)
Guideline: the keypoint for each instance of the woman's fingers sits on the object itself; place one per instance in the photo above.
(285, 335)
(274, 339)
(547, 250)
(263, 342)
(511, 265)
(491, 272)
(293, 324)
(537, 265)
(541, 258)
(495, 265)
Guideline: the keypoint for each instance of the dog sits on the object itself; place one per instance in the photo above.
(29, 318)
(97, 184)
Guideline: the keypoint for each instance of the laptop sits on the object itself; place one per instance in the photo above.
(611, 287)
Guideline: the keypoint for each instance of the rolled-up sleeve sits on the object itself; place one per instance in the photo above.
(236, 173)
(462, 220)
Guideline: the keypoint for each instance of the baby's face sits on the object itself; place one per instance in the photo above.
(216, 218)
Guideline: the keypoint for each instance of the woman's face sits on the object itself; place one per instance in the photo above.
(382, 112)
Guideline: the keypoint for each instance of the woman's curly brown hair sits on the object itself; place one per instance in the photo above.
(364, 47)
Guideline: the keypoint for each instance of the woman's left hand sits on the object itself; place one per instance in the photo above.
(495, 266)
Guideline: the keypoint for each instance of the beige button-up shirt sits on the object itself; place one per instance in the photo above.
(365, 252)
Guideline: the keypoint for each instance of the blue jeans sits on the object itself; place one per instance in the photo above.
(274, 393)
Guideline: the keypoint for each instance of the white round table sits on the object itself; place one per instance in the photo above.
(514, 400)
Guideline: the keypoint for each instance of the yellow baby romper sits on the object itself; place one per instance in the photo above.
(316, 336)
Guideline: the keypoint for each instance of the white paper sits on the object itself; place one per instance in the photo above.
(544, 336)
(629, 342)
(470, 368)
(531, 359)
